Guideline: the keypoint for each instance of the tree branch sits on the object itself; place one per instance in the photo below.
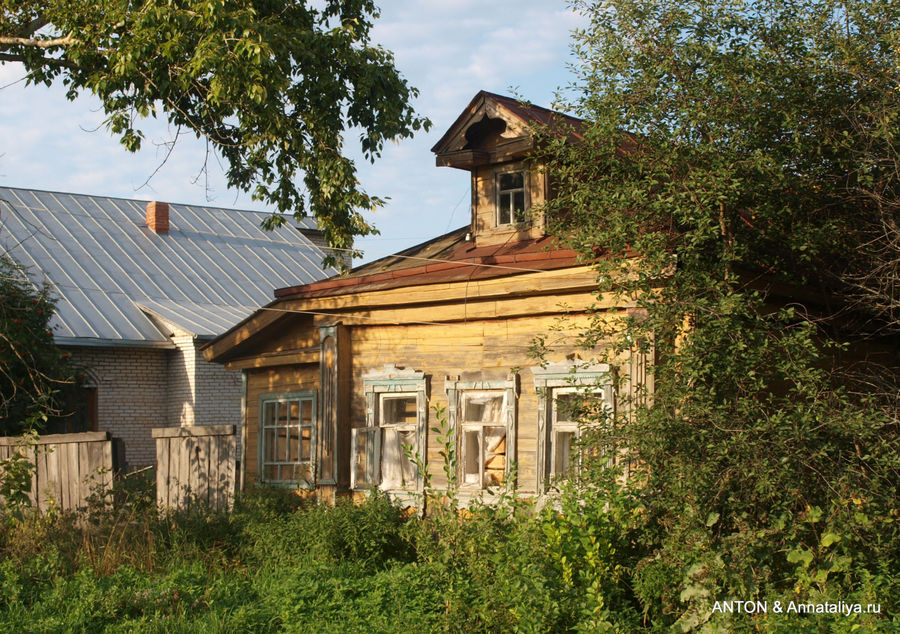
(49, 61)
(34, 26)
(27, 41)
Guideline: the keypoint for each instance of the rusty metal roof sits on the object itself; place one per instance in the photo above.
(447, 258)
(115, 278)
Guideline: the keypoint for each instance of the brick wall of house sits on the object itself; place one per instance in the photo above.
(181, 371)
(131, 395)
(218, 400)
(138, 390)
(201, 393)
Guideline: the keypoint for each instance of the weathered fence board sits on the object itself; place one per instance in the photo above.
(195, 464)
(68, 468)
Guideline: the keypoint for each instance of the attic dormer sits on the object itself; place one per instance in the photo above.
(491, 140)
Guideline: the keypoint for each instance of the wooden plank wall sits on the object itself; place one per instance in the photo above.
(69, 468)
(195, 465)
(272, 380)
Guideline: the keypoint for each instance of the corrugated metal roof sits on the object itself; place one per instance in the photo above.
(109, 270)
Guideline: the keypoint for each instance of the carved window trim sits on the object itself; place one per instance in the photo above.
(457, 392)
(367, 443)
(561, 378)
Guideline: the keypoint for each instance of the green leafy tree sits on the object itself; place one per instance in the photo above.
(271, 85)
(738, 158)
(34, 373)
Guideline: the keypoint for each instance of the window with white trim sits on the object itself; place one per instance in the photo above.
(287, 438)
(394, 432)
(511, 197)
(572, 398)
(483, 413)
(572, 412)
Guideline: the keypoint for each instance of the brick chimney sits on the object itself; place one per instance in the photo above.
(158, 217)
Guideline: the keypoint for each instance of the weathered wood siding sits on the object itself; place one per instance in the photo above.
(195, 465)
(483, 350)
(274, 380)
(473, 351)
(69, 468)
(484, 195)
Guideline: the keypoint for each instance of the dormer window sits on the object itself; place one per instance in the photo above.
(510, 197)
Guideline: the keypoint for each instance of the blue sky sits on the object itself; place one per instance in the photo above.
(448, 49)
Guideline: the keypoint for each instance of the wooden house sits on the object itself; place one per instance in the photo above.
(342, 373)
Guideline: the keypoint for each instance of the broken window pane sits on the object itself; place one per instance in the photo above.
(397, 470)
(472, 457)
(494, 455)
(365, 457)
(483, 407)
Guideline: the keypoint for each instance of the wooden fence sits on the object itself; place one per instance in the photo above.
(195, 464)
(69, 468)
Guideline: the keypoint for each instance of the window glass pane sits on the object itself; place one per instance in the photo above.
(364, 464)
(281, 413)
(292, 446)
(483, 408)
(360, 464)
(503, 211)
(398, 409)
(519, 205)
(305, 443)
(269, 445)
(566, 406)
(293, 412)
(562, 451)
(397, 470)
(511, 180)
(472, 456)
(270, 473)
(269, 413)
(494, 455)
(306, 413)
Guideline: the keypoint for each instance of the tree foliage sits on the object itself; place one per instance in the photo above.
(739, 160)
(271, 85)
(33, 372)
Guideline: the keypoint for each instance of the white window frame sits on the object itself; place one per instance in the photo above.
(303, 469)
(457, 393)
(513, 221)
(381, 386)
(555, 379)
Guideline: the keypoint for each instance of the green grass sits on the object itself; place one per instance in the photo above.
(276, 564)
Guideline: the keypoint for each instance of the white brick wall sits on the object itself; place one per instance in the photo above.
(131, 395)
(139, 389)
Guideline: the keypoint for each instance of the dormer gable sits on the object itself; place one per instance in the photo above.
(490, 130)
(492, 140)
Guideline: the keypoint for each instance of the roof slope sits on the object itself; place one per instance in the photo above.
(447, 258)
(528, 113)
(111, 273)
